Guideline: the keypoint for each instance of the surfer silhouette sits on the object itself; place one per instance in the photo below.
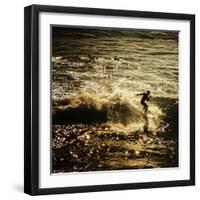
(91, 57)
(145, 97)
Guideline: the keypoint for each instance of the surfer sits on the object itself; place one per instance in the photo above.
(92, 58)
(116, 58)
(145, 97)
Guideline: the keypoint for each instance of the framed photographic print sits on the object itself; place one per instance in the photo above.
(109, 100)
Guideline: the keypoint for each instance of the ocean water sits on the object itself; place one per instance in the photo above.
(98, 121)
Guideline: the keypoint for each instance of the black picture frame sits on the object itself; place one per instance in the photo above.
(31, 98)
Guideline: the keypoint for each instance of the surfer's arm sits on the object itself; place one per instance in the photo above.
(149, 98)
(139, 94)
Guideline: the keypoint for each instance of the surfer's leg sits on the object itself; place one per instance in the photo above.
(144, 105)
(146, 108)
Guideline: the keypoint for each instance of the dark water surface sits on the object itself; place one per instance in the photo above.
(98, 121)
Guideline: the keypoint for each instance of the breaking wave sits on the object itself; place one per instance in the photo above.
(114, 109)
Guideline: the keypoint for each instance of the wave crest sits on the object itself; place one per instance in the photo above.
(114, 109)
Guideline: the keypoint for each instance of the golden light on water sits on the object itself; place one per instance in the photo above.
(98, 120)
(137, 153)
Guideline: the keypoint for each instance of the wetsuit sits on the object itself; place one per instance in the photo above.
(145, 97)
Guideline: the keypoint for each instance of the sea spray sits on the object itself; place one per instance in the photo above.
(115, 109)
